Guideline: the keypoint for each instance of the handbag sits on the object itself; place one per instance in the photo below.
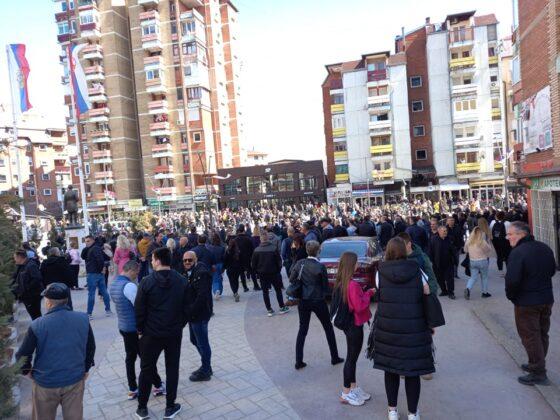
(341, 316)
(294, 290)
(433, 311)
(467, 265)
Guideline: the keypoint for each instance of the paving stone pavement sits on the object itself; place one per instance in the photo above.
(239, 389)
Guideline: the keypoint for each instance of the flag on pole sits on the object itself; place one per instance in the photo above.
(78, 80)
(19, 72)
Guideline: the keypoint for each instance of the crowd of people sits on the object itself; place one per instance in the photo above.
(172, 276)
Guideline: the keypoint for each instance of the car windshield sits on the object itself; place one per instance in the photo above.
(336, 249)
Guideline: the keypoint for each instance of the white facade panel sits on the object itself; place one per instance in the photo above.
(440, 103)
(401, 124)
(357, 129)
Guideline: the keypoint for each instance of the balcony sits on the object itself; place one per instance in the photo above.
(154, 61)
(384, 149)
(198, 77)
(189, 4)
(337, 108)
(463, 62)
(158, 129)
(470, 167)
(376, 75)
(98, 115)
(467, 142)
(493, 60)
(498, 166)
(342, 177)
(157, 107)
(62, 170)
(339, 132)
(342, 155)
(462, 36)
(162, 150)
(152, 42)
(380, 128)
(148, 2)
(494, 87)
(149, 15)
(93, 52)
(100, 136)
(458, 90)
(166, 193)
(383, 174)
(90, 31)
(164, 172)
(104, 177)
(61, 16)
(97, 94)
(94, 73)
(105, 197)
(155, 86)
(496, 113)
(102, 156)
(64, 38)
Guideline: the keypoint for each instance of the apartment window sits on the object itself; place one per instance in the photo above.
(86, 18)
(173, 32)
(175, 50)
(3, 179)
(415, 81)
(45, 177)
(380, 141)
(152, 74)
(466, 54)
(377, 91)
(495, 103)
(197, 137)
(341, 169)
(515, 70)
(86, 166)
(2, 163)
(380, 65)
(337, 98)
(63, 28)
(47, 191)
(340, 147)
(194, 93)
(492, 32)
(465, 105)
(454, 56)
(494, 78)
(491, 52)
(149, 29)
(417, 106)
(189, 26)
(464, 131)
(421, 154)
(338, 121)
(379, 117)
(172, 9)
(307, 182)
(418, 131)
(189, 48)
(32, 192)
(76, 171)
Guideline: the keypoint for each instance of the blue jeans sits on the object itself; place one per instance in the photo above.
(217, 279)
(95, 280)
(479, 267)
(199, 338)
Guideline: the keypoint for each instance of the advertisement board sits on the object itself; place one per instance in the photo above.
(536, 121)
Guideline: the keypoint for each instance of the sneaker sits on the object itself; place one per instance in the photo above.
(284, 310)
(108, 313)
(142, 414)
(132, 395)
(467, 294)
(300, 365)
(486, 295)
(236, 297)
(160, 391)
(200, 376)
(270, 312)
(534, 379)
(351, 399)
(363, 395)
(427, 377)
(217, 295)
(171, 412)
(451, 296)
(414, 416)
(393, 414)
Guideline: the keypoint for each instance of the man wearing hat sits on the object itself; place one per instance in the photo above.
(64, 347)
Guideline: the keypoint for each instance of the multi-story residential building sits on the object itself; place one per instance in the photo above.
(536, 99)
(44, 163)
(433, 111)
(142, 58)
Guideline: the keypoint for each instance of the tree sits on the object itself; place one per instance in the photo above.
(141, 222)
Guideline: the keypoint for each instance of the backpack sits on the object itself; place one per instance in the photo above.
(341, 316)
(499, 231)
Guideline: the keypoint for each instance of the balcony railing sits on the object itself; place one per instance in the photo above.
(381, 150)
(92, 52)
(493, 60)
(157, 107)
(341, 155)
(62, 169)
(339, 132)
(468, 167)
(153, 61)
(158, 126)
(96, 112)
(382, 174)
(457, 63)
(496, 113)
(458, 90)
(341, 177)
(152, 42)
(155, 86)
(337, 108)
(166, 191)
(376, 75)
(462, 35)
(162, 150)
(151, 14)
(103, 174)
(101, 154)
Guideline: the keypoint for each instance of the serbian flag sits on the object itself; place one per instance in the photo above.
(19, 72)
(78, 80)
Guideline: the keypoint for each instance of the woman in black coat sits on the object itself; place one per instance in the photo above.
(402, 338)
(234, 267)
(443, 256)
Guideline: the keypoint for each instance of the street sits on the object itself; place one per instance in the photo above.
(254, 378)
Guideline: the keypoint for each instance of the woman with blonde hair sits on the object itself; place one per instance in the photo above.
(483, 225)
(354, 294)
(480, 250)
(122, 253)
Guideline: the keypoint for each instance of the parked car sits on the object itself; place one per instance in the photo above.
(368, 251)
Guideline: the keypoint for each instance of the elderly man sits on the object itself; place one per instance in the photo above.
(27, 283)
(64, 347)
(530, 268)
(198, 312)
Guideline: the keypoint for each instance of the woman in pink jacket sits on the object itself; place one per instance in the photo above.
(358, 300)
(122, 253)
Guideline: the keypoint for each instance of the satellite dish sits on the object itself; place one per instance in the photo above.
(41, 207)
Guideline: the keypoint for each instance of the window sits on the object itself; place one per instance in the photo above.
(492, 32)
(45, 177)
(380, 141)
(338, 121)
(415, 81)
(466, 54)
(3, 179)
(464, 131)
(418, 131)
(86, 165)
(454, 56)
(379, 117)
(172, 9)
(233, 188)
(377, 91)
(32, 192)
(86, 18)
(2, 163)
(341, 169)
(491, 52)
(337, 98)
(465, 105)
(152, 74)
(47, 191)
(417, 106)
(42, 147)
(286, 182)
(380, 65)
(189, 26)
(197, 137)
(63, 28)
(76, 171)
(149, 29)
(255, 184)
(421, 154)
(175, 50)
(173, 32)
(307, 182)
(189, 48)
(194, 93)
(494, 78)
(340, 146)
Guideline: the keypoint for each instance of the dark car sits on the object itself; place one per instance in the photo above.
(368, 251)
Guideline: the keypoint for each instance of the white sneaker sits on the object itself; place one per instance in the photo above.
(351, 399)
(361, 394)
(393, 414)
(414, 416)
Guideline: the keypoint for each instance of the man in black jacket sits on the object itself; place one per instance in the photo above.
(160, 318)
(456, 234)
(27, 283)
(246, 249)
(327, 229)
(366, 228)
(198, 312)
(267, 263)
(95, 263)
(56, 269)
(203, 254)
(386, 232)
(442, 254)
(530, 268)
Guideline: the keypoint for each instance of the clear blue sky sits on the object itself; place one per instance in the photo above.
(284, 47)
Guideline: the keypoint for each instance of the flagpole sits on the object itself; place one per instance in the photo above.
(77, 137)
(18, 163)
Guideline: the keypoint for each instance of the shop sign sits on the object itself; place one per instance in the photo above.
(545, 184)
(532, 167)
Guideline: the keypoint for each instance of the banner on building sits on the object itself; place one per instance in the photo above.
(536, 121)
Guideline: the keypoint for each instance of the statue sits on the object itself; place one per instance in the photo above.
(71, 205)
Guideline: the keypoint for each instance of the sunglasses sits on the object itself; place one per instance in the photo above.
(188, 260)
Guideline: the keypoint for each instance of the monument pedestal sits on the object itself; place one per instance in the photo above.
(76, 235)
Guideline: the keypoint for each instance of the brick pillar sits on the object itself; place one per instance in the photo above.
(553, 49)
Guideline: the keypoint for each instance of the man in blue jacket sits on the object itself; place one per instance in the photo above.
(64, 347)
(95, 262)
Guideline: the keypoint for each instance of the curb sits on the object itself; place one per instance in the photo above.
(551, 393)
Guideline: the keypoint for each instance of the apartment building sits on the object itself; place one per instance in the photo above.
(43, 162)
(142, 58)
(433, 112)
(536, 100)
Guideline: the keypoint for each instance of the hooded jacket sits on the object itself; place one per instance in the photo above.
(56, 269)
(160, 304)
(402, 339)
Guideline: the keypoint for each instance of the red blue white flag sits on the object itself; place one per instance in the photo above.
(19, 72)
(78, 80)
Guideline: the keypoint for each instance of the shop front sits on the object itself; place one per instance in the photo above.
(544, 210)
(487, 191)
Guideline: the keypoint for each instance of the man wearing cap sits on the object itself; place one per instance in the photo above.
(27, 283)
(64, 347)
